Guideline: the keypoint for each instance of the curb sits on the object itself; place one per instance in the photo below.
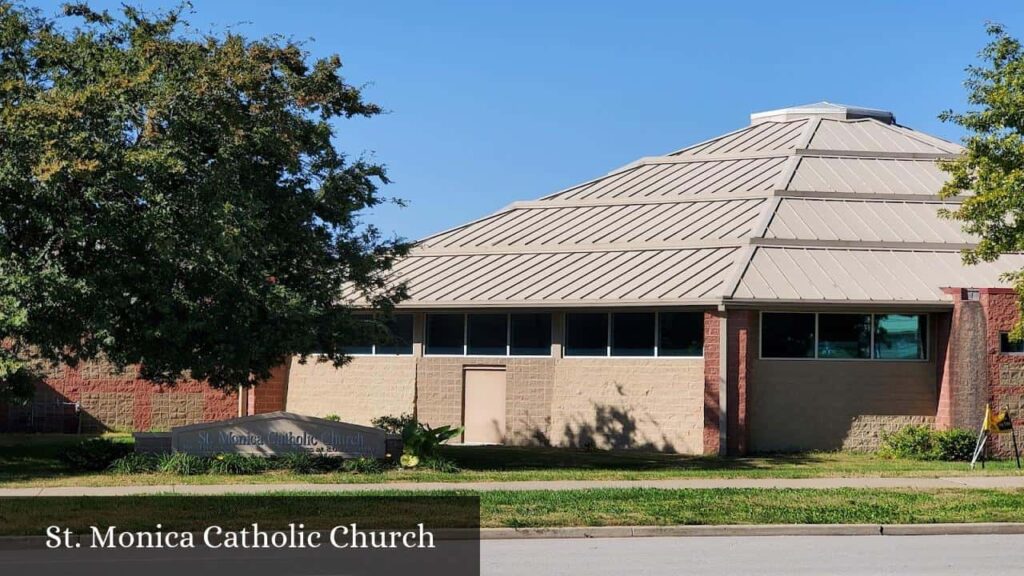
(740, 530)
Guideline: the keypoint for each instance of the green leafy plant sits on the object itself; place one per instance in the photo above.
(94, 454)
(183, 464)
(333, 418)
(421, 442)
(362, 466)
(922, 442)
(135, 464)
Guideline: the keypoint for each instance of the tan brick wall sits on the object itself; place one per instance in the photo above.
(865, 433)
(171, 410)
(528, 385)
(828, 405)
(367, 387)
(629, 403)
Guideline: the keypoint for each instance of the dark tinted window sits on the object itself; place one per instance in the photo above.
(488, 334)
(1007, 346)
(900, 336)
(844, 336)
(586, 334)
(633, 334)
(681, 334)
(361, 341)
(445, 334)
(398, 339)
(531, 334)
(787, 335)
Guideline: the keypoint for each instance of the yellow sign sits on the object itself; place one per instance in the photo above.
(998, 423)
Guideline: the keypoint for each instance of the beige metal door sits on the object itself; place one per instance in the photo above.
(483, 409)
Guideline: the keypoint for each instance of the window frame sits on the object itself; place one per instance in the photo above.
(608, 336)
(872, 358)
(373, 347)
(508, 335)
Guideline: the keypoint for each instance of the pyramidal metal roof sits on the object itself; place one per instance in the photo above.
(815, 203)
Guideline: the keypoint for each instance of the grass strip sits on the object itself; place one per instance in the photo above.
(31, 461)
(602, 507)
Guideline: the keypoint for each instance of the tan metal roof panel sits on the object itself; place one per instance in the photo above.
(744, 176)
(569, 278)
(763, 137)
(868, 175)
(869, 135)
(858, 275)
(859, 220)
(570, 226)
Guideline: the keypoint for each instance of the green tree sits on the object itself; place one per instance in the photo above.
(175, 200)
(992, 165)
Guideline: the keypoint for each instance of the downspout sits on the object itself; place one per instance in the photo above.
(243, 400)
(723, 381)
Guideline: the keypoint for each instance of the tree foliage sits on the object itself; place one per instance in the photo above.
(992, 166)
(175, 199)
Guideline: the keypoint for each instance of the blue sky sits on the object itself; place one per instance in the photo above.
(491, 102)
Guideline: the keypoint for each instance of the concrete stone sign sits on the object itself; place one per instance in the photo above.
(279, 433)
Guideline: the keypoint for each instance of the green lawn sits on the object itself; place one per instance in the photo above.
(604, 507)
(31, 460)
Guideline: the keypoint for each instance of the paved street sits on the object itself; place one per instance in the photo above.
(785, 556)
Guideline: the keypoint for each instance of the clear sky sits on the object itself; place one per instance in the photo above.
(491, 102)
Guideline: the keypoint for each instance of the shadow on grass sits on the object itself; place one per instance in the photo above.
(25, 457)
(508, 458)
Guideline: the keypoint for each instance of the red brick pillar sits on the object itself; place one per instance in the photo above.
(740, 343)
(1005, 390)
(271, 394)
(712, 374)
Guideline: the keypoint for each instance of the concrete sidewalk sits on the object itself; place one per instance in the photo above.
(960, 482)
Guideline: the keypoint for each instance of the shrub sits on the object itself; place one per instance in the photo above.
(333, 418)
(954, 445)
(908, 442)
(237, 464)
(362, 466)
(134, 464)
(924, 443)
(94, 454)
(393, 424)
(183, 464)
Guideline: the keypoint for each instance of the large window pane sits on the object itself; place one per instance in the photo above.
(633, 334)
(361, 340)
(900, 336)
(844, 336)
(1007, 346)
(787, 335)
(399, 335)
(445, 334)
(586, 334)
(531, 335)
(681, 334)
(488, 334)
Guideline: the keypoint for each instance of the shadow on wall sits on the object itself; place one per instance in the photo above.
(612, 427)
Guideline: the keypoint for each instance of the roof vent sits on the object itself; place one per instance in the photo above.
(824, 110)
